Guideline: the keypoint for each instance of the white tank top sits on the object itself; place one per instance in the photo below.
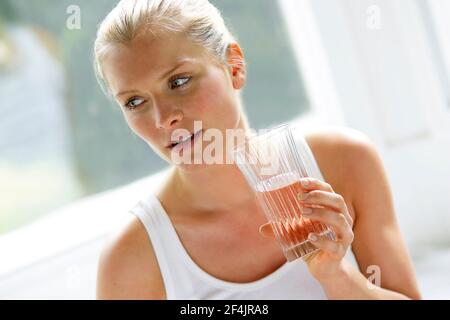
(184, 279)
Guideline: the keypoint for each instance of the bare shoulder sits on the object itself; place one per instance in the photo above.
(346, 157)
(128, 268)
(342, 154)
(336, 136)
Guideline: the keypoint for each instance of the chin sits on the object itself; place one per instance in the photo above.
(192, 167)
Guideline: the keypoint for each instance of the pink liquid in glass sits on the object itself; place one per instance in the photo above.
(290, 226)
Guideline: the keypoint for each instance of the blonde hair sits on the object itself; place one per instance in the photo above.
(199, 20)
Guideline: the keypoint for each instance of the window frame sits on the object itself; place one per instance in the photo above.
(312, 62)
(437, 24)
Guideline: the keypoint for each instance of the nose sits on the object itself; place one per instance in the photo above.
(168, 119)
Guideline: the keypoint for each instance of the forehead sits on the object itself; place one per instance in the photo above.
(147, 58)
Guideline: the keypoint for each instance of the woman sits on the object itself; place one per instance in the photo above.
(169, 63)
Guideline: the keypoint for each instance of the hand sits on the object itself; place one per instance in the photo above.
(327, 207)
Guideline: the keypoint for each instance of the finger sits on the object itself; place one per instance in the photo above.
(288, 235)
(291, 233)
(331, 218)
(323, 198)
(327, 245)
(266, 230)
(310, 256)
(309, 184)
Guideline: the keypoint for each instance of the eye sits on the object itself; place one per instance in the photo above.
(134, 103)
(179, 82)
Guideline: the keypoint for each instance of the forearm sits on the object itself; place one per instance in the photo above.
(349, 283)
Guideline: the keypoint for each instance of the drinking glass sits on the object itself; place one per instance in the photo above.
(273, 164)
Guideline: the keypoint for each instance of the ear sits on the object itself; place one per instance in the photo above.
(236, 62)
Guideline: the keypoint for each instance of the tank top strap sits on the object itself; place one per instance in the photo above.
(165, 245)
(311, 166)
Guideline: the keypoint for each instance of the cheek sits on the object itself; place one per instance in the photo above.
(217, 102)
(142, 127)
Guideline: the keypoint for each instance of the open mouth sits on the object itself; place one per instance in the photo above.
(186, 141)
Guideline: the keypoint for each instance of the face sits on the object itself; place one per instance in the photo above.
(166, 83)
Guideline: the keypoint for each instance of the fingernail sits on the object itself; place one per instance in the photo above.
(305, 182)
(312, 237)
(302, 196)
(306, 211)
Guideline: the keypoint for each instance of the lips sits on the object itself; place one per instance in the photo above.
(181, 141)
(185, 139)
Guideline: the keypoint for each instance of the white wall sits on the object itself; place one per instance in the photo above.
(389, 88)
(68, 275)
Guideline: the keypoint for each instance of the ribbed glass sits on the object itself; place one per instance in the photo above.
(273, 166)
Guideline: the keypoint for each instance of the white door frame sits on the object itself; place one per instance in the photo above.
(312, 62)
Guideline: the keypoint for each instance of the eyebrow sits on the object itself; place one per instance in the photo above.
(179, 64)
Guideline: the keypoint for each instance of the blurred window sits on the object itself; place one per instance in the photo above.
(61, 139)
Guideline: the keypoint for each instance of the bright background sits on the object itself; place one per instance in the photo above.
(70, 168)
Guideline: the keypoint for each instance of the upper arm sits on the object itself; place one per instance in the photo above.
(128, 268)
(377, 236)
(351, 163)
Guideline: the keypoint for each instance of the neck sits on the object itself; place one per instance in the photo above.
(214, 188)
(217, 188)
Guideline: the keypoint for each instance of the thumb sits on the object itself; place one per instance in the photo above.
(266, 230)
